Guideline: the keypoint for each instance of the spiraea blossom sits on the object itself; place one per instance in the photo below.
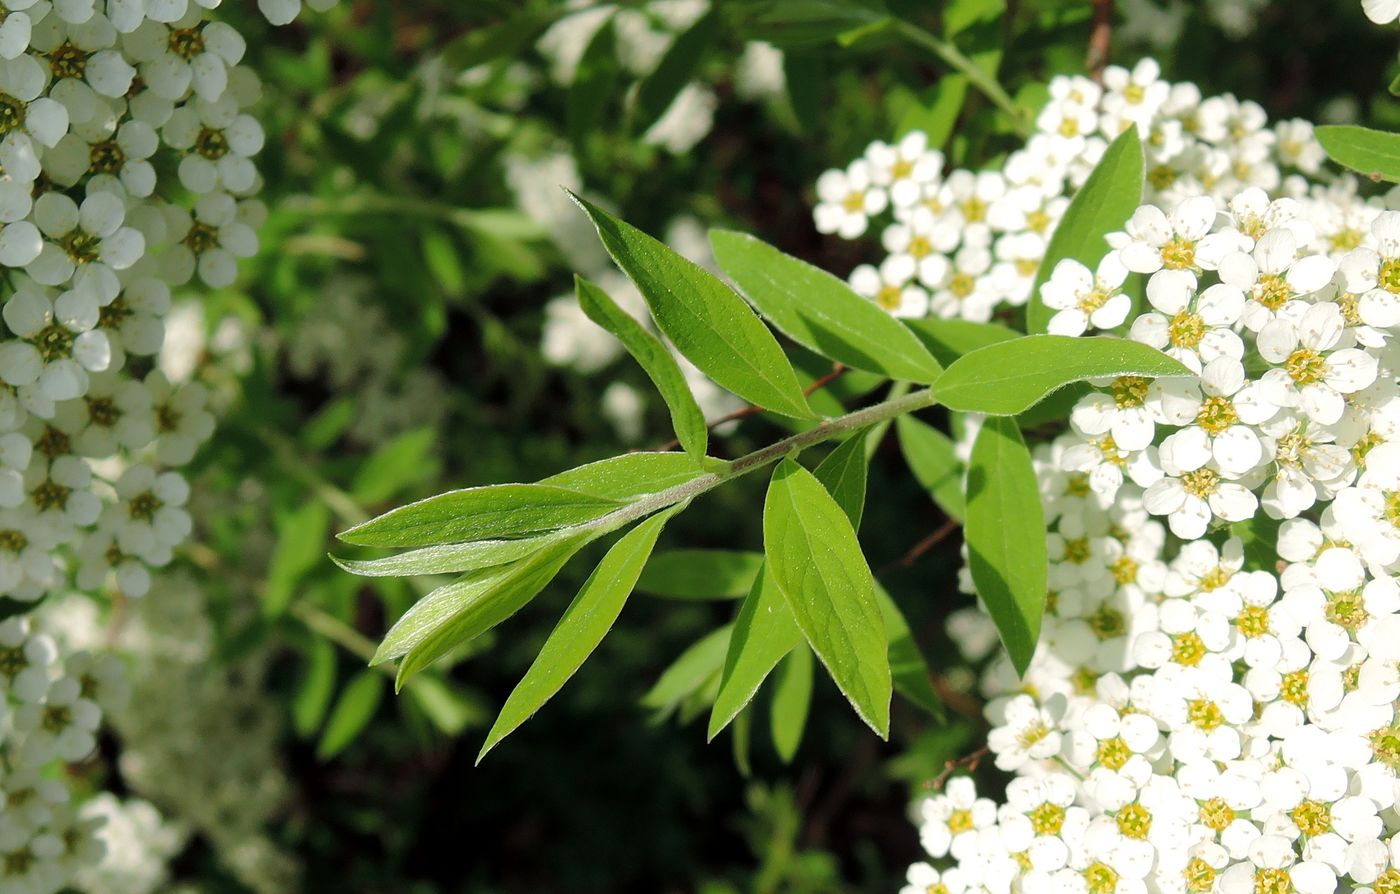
(95, 99)
(1212, 708)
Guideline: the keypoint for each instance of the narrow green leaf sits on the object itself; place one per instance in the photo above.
(700, 573)
(653, 357)
(792, 697)
(930, 456)
(480, 513)
(912, 678)
(814, 558)
(352, 713)
(803, 76)
(631, 475)
(948, 340)
(937, 113)
(595, 78)
(450, 558)
(584, 624)
(763, 633)
(399, 463)
(695, 666)
(301, 546)
(313, 696)
(743, 726)
(703, 318)
(466, 608)
(1371, 153)
(481, 45)
(1101, 206)
(450, 710)
(843, 474)
(819, 311)
(677, 68)
(1005, 533)
(1009, 377)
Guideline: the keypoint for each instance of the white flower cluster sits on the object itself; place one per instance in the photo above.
(965, 243)
(97, 99)
(1213, 703)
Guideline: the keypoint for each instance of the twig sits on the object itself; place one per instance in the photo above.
(938, 536)
(975, 75)
(967, 762)
(1099, 39)
(753, 409)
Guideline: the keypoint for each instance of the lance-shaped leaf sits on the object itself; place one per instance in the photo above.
(466, 608)
(703, 318)
(792, 697)
(1009, 377)
(763, 633)
(584, 624)
(574, 497)
(1101, 206)
(907, 665)
(700, 573)
(655, 359)
(814, 558)
(819, 311)
(631, 475)
(449, 558)
(479, 513)
(595, 78)
(765, 630)
(677, 68)
(930, 456)
(1373, 153)
(689, 673)
(352, 713)
(1005, 533)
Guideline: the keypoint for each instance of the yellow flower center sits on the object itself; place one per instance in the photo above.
(1272, 881)
(1188, 649)
(1047, 819)
(1129, 391)
(1216, 815)
(1179, 254)
(1186, 329)
(1113, 753)
(1099, 878)
(962, 284)
(1253, 621)
(1216, 414)
(1294, 688)
(1199, 875)
(1204, 714)
(1200, 483)
(1134, 821)
(1312, 817)
(1306, 367)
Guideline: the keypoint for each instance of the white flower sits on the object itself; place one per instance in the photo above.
(952, 819)
(1179, 242)
(1194, 329)
(847, 200)
(1083, 299)
(1029, 732)
(905, 168)
(891, 286)
(1192, 499)
(1313, 373)
(58, 346)
(1221, 429)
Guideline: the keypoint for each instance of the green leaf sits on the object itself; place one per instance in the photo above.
(352, 713)
(947, 340)
(1101, 206)
(584, 624)
(792, 697)
(1005, 534)
(700, 573)
(1010, 377)
(803, 78)
(936, 467)
(481, 513)
(819, 311)
(703, 318)
(631, 475)
(658, 362)
(594, 80)
(695, 666)
(743, 724)
(843, 474)
(397, 464)
(677, 68)
(937, 114)
(764, 632)
(912, 678)
(1259, 537)
(466, 608)
(1372, 153)
(301, 546)
(814, 558)
(449, 710)
(450, 558)
(313, 696)
(10, 608)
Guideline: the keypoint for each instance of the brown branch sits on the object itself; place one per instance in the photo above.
(967, 762)
(923, 546)
(1099, 39)
(753, 409)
